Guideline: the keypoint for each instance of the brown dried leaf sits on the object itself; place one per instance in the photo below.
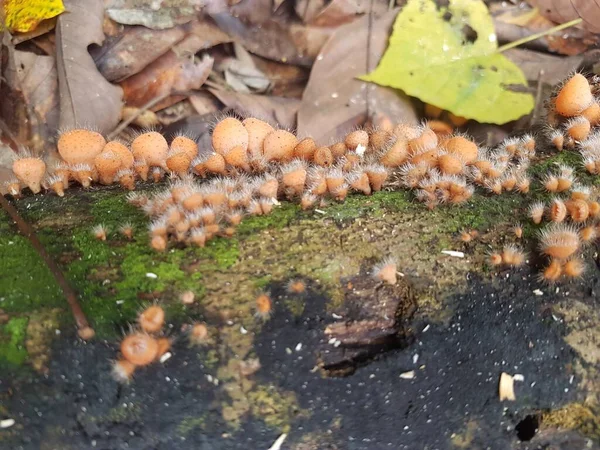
(152, 14)
(39, 84)
(128, 53)
(309, 40)
(42, 28)
(166, 75)
(47, 43)
(241, 74)
(201, 35)
(269, 39)
(86, 98)
(334, 100)
(286, 80)
(339, 12)
(561, 11)
(516, 22)
(15, 127)
(307, 10)
(555, 68)
(274, 109)
(143, 119)
(204, 103)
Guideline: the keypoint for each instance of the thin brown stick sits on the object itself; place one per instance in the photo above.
(155, 101)
(538, 99)
(368, 59)
(28, 232)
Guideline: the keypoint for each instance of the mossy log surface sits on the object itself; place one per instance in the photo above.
(470, 323)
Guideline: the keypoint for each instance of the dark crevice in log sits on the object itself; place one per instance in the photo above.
(375, 319)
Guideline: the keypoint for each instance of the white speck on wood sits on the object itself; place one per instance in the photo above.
(278, 443)
(7, 423)
(453, 253)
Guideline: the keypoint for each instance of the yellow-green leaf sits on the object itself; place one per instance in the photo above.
(446, 56)
(25, 15)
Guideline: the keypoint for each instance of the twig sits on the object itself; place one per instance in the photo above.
(155, 101)
(368, 61)
(535, 36)
(538, 99)
(69, 293)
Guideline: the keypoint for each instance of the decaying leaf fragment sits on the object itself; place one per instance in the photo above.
(565, 10)
(86, 98)
(447, 57)
(334, 101)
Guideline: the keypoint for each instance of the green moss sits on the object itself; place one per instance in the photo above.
(25, 281)
(281, 216)
(277, 409)
(112, 279)
(359, 206)
(224, 252)
(112, 209)
(262, 282)
(481, 212)
(123, 413)
(190, 424)
(12, 342)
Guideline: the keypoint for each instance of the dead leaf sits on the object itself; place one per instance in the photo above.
(127, 54)
(175, 113)
(201, 35)
(154, 14)
(13, 107)
(274, 109)
(555, 68)
(47, 43)
(561, 11)
(339, 12)
(198, 126)
(204, 103)
(334, 100)
(515, 22)
(241, 74)
(255, 12)
(307, 10)
(309, 40)
(286, 80)
(39, 84)
(143, 119)
(86, 98)
(42, 28)
(167, 74)
(269, 39)
(516, 15)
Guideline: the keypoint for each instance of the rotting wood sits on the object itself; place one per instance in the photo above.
(375, 318)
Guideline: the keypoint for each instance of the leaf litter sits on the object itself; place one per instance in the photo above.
(447, 57)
